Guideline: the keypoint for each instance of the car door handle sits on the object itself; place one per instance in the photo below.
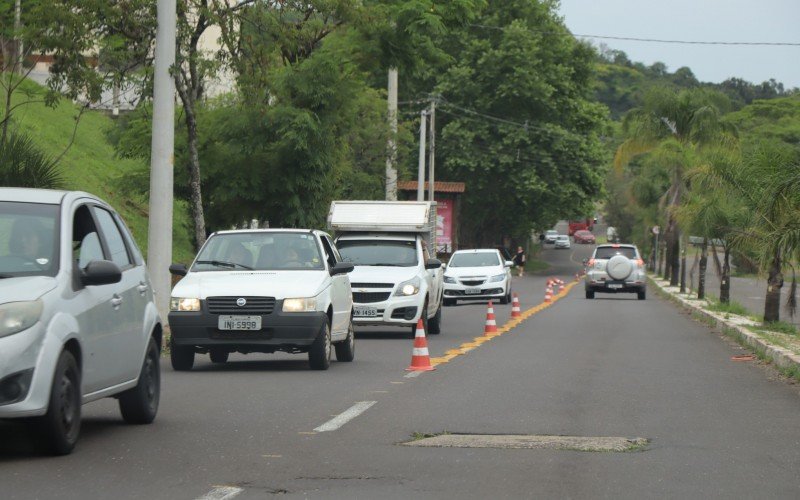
(116, 301)
(142, 287)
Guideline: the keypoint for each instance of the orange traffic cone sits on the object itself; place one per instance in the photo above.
(548, 295)
(420, 358)
(491, 324)
(515, 311)
(577, 277)
(560, 286)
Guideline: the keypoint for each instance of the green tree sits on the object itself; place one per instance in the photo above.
(674, 126)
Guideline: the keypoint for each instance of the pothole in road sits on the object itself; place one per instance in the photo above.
(530, 442)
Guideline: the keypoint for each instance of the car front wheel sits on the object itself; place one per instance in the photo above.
(61, 424)
(139, 405)
(589, 294)
(319, 355)
(346, 349)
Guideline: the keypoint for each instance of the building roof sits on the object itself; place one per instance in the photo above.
(438, 186)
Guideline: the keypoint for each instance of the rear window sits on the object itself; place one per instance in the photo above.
(478, 259)
(608, 252)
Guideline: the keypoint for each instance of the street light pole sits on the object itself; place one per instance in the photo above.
(391, 171)
(159, 250)
(421, 167)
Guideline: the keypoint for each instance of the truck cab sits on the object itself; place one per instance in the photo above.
(396, 280)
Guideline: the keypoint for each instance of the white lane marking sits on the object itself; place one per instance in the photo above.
(412, 374)
(221, 493)
(348, 415)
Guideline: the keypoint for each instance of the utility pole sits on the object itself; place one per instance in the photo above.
(159, 250)
(421, 167)
(391, 171)
(432, 149)
(18, 66)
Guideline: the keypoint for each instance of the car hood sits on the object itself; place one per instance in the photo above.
(459, 272)
(382, 274)
(278, 284)
(23, 288)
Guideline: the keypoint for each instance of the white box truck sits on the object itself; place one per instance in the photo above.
(397, 279)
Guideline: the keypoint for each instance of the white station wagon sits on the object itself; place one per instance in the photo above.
(263, 290)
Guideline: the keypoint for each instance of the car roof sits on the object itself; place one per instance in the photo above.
(563, 236)
(267, 231)
(477, 250)
(30, 195)
(552, 231)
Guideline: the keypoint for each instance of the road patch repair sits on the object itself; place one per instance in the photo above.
(531, 442)
(491, 331)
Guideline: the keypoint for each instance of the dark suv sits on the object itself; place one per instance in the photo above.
(616, 269)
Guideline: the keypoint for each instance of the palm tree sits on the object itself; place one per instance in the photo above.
(23, 164)
(679, 123)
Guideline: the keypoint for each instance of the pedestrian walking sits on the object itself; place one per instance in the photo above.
(519, 261)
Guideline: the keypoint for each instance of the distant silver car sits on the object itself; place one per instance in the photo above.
(616, 269)
(562, 241)
(550, 236)
(77, 318)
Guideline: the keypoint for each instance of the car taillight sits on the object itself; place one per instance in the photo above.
(590, 263)
(640, 262)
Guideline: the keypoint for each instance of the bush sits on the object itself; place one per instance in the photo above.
(23, 164)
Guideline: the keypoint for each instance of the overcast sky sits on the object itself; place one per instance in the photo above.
(698, 20)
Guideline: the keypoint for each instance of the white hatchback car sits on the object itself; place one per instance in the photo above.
(562, 241)
(477, 275)
(263, 291)
(77, 318)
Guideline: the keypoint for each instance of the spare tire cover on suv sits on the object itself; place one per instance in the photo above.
(619, 267)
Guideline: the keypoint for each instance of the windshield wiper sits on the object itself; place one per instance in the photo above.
(388, 264)
(222, 263)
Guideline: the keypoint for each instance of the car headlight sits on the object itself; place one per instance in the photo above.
(495, 279)
(18, 316)
(299, 305)
(449, 279)
(410, 287)
(184, 304)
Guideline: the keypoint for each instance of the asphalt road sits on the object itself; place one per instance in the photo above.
(613, 366)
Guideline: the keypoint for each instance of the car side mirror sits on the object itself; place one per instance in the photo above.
(100, 272)
(178, 269)
(433, 264)
(509, 263)
(342, 268)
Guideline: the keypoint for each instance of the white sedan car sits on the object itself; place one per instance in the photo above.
(550, 236)
(562, 241)
(477, 275)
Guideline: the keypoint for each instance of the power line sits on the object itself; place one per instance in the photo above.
(649, 40)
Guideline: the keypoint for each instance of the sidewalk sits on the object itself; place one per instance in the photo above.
(780, 349)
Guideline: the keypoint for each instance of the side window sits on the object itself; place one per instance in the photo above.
(118, 251)
(138, 259)
(86, 245)
(335, 250)
(329, 256)
(425, 255)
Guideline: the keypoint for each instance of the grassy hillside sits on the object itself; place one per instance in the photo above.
(90, 164)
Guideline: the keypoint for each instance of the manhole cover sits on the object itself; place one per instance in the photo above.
(532, 442)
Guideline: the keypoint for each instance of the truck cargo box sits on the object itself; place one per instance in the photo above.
(384, 216)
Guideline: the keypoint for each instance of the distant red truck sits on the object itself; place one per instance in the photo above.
(577, 225)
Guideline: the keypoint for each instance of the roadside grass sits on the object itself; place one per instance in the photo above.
(90, 163)
(731, 307)
(534, 266)
(780, 327)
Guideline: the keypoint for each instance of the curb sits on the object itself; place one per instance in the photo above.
(736, 327)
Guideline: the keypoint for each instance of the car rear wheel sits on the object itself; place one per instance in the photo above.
(61, 425)
(449, 302)
(641, 295)
(218, 356)
(346, 349)
(435, 323)
(589, 294)
(181, 357)
(140, 404)
(319, 355)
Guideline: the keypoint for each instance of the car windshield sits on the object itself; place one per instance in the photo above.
(477, 259)
(563, 237)
(28, 239)
(379, 253)
(551, 233)
(608, 252)
(262, 251)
